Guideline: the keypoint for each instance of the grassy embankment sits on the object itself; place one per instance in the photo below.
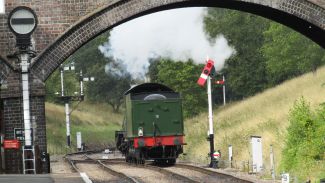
(265, 115)
(96, 122)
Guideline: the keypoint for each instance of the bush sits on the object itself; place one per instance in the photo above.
(305, 141)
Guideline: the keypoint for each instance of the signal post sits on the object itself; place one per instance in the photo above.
(24, 132)
(67, 99)
(205, 76)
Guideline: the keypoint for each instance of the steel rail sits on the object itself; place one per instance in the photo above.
(156, 169)
(117, 173)
(162, 170)
(84, 152)
(112, 171)
(203, 170)
(71, 163)
(173, 174)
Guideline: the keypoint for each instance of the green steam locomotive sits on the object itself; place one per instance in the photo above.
(153, 127)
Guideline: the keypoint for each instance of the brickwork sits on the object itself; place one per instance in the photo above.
(12, 113)
(320, 3)
(13, 118)
(12, 87)
(54, 17)
(66, 25)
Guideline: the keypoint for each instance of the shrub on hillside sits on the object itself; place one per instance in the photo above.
(305, 146)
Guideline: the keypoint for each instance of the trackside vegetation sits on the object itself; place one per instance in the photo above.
(304, 149)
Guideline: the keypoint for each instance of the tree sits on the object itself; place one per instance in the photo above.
(289, 54)
(182, 77)
(89, 56)
(109, 88)
(245, 71)
(153, 69)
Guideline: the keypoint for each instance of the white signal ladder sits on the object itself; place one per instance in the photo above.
(29, 156)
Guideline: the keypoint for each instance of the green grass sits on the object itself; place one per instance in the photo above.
(265, 114)
(96, 122)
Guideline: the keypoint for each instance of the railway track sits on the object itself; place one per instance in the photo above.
(221, 177)
(167, 173)
(147, 173)
(97, 171)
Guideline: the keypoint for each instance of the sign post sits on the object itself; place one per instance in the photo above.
(272, 162)
(79, 141)
(230, 155)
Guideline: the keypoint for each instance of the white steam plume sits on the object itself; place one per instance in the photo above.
(177, 34)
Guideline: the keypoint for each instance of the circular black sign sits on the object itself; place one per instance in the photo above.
(22, 20)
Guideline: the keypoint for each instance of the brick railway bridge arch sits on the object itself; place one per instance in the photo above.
(64, 26)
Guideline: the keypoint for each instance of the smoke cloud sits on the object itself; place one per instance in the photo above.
(177, 34)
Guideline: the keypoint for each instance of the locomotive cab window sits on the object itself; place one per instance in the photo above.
(155, 97)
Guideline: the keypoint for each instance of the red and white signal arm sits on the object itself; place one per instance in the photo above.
(205, 73)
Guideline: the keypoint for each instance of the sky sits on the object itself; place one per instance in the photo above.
(177, 34)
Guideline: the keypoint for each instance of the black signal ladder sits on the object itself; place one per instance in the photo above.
(29, 160)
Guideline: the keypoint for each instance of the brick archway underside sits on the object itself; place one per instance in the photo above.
(301, 15)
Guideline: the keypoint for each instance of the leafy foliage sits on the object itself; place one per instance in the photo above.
(305, 140)
(267, 53)
(53, 85)
(182, 77)
(289, 54)
(109, 88)
(153, 69)
(245, 71)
